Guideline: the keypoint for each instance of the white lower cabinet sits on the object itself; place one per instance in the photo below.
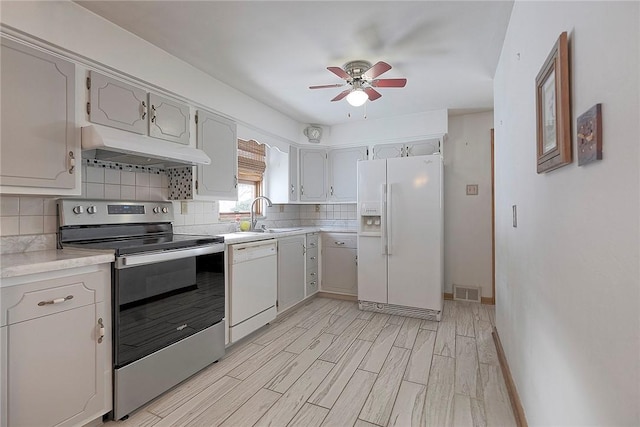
(339, 263)
(311, 265)
(291, 272)
(56, 350)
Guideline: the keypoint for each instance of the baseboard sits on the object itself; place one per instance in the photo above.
(484, 300)
(324, 294)
(516, 405)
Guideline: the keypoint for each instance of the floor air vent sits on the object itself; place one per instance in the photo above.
(466, 293)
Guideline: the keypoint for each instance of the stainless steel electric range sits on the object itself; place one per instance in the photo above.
(167, 293)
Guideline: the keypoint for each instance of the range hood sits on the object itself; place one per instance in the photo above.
(115, 145)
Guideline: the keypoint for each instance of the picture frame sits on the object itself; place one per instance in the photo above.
(553, 109)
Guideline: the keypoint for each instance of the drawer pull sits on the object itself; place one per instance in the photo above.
(100, 330)
(312, 283)
(312, 274)
(55, 301)
(313, 257)
(339, 243)
(312, 244)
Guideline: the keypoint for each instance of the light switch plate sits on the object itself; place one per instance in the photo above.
(472, 190)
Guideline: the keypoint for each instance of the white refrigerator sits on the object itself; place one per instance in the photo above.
(400, 236)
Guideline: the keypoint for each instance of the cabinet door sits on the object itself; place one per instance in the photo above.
(117, 104)
(422, 148)
(386, 151)
(56, 368)
(293, 174)
(168, 119)
(281, 183)
(339, 270)
(313, 176)
(38, 129)
(343, 173)
(216, 136)
(291, 274)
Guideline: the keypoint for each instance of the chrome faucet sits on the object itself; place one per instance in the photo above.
(253, 213)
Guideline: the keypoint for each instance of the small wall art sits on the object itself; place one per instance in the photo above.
(589, 130)
(553, 109)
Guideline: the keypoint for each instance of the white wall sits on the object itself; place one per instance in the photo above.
(568, 293)
(467, 224)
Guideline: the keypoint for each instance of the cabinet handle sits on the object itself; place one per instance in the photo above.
(332, 190)
(339, 243)
(72, 162)
(304, 250)
(153, 113)
(100, 330)
(312, 283)
(55, 301)
(312, 244)
(235, 178)
(144, 110)
(293, 189)
(313, 257)
(312, 274)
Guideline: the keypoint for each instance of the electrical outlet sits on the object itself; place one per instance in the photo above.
(472, 190)
(317, 208)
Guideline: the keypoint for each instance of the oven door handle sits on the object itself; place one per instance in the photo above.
(155, 257)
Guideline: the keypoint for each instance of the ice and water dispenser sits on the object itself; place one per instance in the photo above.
(370, 217)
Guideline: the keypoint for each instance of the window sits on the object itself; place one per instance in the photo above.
(251, 167)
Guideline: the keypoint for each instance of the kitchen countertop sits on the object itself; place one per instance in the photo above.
(248, 236)
(21, 264)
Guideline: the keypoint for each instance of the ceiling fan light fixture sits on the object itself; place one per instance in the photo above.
(357, 97)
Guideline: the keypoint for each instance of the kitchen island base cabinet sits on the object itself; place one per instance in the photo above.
(339, 263)
(56, 351)
(291, 271)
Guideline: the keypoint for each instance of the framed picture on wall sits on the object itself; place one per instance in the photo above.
(553, 109)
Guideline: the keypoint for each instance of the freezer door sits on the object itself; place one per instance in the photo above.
(414, 229)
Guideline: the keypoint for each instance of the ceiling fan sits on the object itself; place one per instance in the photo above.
(361, 75)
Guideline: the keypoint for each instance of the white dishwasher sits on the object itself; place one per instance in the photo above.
(253, 284)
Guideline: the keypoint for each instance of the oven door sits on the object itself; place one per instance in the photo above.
(163, 297)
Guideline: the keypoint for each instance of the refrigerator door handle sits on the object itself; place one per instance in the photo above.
(383, 219)
(389, 237)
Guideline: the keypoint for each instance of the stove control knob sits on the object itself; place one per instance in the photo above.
(156, 209)
(165, 210)
(78, 210)
(92, 209)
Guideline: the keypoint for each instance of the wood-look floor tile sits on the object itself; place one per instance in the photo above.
(343, 342)
(362, 423)
(140, 418)
(409, 407)
(292, 401)
(468, 381)
(408, 332)
(420, 360)
(449, 309)
(480, 312)
(431, 325)
(217, 413)
(177, 396)
(346, 409)
(496, 399)
(464, 319)
(491, 311)
(251, 411)
(304, 340)
(396, 320)
(380, 348)
(317, 304)
(275, 331)
(200, 402)
(300, 364)
(329, 390)
(366, 315)
(252, 364)
(486, 346)
(376, 323)
(309, 416)
(317, 316)
(440, 391)
(378, 406)
(344, 307)
(340, 325)
(468, 412)
(446, 338)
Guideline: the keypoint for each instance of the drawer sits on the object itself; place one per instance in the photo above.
(312, 274)
(340, 240)
(312, 257)
(312, 240)
(37, 299)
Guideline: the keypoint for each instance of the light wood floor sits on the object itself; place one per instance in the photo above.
(329, 364)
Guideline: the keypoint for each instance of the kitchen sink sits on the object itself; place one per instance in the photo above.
(282, 230)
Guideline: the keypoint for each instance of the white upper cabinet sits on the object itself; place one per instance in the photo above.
(416, 148)
(343, 174)
(216, 136)
(281, 183)
(40, 142)
(168, 119)
(120, 105)
(313, 175)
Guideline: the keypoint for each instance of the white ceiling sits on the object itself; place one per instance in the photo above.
(273, 51)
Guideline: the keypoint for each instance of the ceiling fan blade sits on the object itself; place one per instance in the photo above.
(372, 93)
(376, 69)
(341, 95)
(389, 83)
(326, 86)
(339, 72)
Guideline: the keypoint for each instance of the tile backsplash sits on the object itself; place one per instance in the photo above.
(121, 184)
